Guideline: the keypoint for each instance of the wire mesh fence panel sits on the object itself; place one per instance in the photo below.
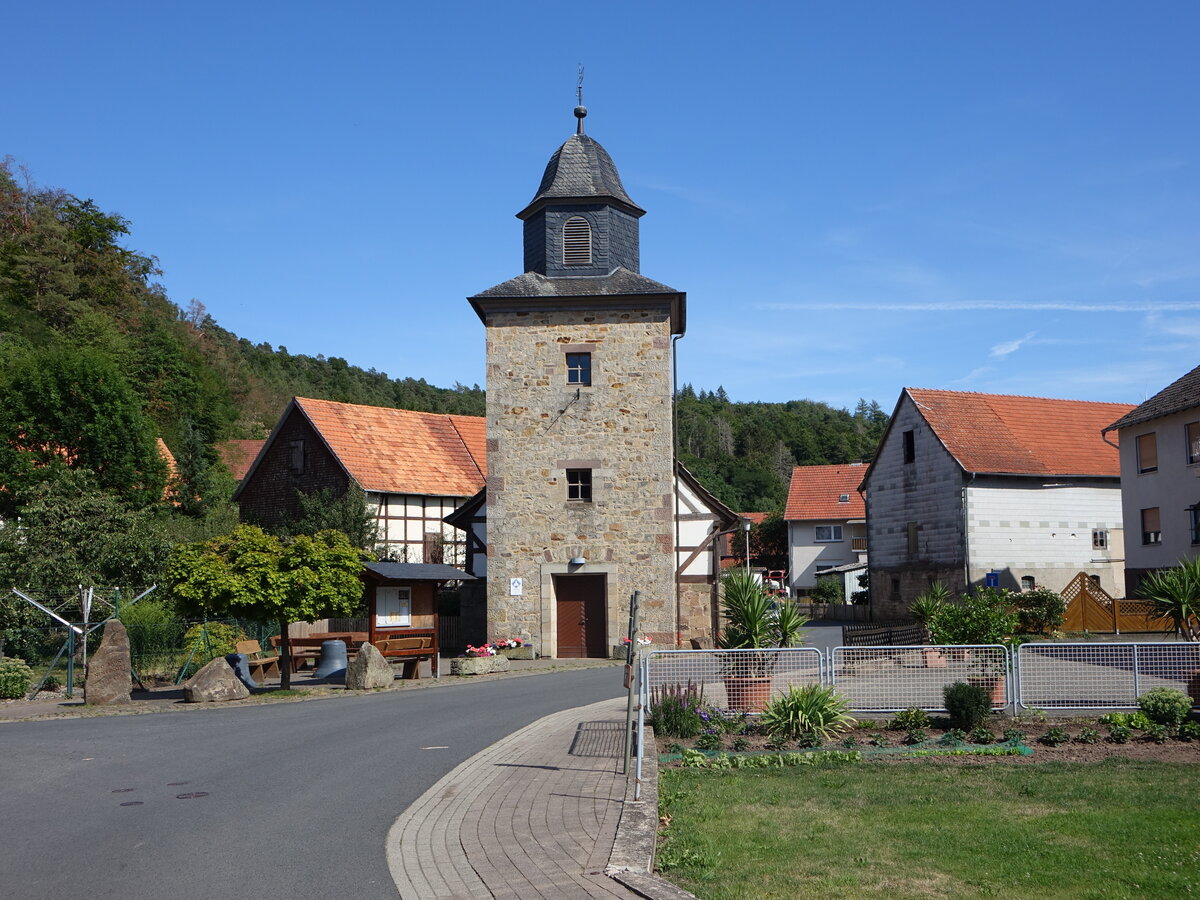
(887, 679)
(732, 679)
(1102, 676)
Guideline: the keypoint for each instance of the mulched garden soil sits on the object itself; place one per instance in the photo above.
(1138, 747)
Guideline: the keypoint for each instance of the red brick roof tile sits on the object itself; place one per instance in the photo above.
(815, 492)
(1022, 435)
(239, 455)
(399, 451)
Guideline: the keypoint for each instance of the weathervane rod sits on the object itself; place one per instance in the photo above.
(580, 110)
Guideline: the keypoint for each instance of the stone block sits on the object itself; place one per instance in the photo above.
(368, 670)
(108, 680)
(215, 683)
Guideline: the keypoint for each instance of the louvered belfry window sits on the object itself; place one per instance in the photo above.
(577, 242)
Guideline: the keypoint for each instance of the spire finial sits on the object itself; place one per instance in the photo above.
(580, 110)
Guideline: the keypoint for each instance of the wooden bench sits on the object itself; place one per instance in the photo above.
(410, 651)
(261, 666)
(303, 649)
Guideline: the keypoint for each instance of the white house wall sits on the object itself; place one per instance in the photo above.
(1032, 529)
(805, 554)
(692, 534)
(403, 520)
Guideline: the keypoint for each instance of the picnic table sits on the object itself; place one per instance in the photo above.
(301, 650)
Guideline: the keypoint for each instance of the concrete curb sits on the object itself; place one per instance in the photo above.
(632, 860)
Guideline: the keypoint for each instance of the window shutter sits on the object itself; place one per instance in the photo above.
(577, 242)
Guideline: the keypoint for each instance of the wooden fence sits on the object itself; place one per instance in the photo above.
(1090, 608)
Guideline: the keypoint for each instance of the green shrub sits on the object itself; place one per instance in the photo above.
(1138, 721)
(15, 678)
(154, 632)
(808, 710)
(954, 737)
(1088, 736)
(1156, 733)
(675, 710)
(828, 590)
(879, 740)
(916, 736)
(850, 742)
(1054, 737)
(984, 616)
(967, 704)
(221, 641)
(913, 717)
(1039, 611)
(1119, 734)
(1189, 731)
(709, 741)
(1165, 706)
(1014, 736)
(981, 736)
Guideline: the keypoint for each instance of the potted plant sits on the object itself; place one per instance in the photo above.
(755, 625)
(985, 616)
(925, 609)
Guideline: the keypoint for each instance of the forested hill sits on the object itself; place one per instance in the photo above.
(77, 306)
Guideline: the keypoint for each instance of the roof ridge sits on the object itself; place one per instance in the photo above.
(1018, 396)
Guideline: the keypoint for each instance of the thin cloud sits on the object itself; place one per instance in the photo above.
(1004, 349)
(982, 305)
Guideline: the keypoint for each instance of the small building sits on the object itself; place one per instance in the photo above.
(415, 468)
(1160, 478)
(826, 523)
(403, 611)
(967, 488)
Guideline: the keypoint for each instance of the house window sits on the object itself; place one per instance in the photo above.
(844, 498)
(1147, 453)
(1194, 523)
(577, 242)
(393, 607)
(828, 533)
(913, 548)
(1027, 583)
(1099, 539)
(1192, 430)
(579, 368)
(910, 446)
(1151, 527)
(579, 485)
(296, 457)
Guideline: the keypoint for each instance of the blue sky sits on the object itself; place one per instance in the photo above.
(856, 197)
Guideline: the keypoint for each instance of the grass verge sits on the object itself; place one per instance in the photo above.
(1115, 829)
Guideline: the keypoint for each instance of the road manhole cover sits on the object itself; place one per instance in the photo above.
(132, 803)
(123, 790)
(191, 795)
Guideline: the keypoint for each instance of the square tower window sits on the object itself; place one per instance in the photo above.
(910, 446)
(577, 242)
(579, 368)
(579, 485)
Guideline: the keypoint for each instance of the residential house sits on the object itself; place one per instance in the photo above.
(1160, 478)
(827, 525)
(968, 488)
(415, 467)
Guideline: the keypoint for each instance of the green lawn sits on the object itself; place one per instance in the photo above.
(1116, 829)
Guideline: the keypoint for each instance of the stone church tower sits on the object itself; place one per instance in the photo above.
(580, 486)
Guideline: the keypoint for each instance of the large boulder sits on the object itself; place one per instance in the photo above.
(108, 679)
(479, 665)
(368, 670)
(215, 683)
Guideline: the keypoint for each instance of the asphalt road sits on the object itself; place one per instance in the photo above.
(279, 800)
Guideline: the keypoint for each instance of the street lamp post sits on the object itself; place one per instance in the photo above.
(746, 528)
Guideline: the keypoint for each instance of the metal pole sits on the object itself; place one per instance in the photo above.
(71, 662)
(747, 529)
(630, 680)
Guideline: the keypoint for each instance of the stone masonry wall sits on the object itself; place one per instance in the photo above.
(619, 427)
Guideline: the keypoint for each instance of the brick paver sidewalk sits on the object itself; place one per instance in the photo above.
(534, 815)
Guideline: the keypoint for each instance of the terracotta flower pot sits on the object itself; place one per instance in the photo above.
(748, 693)
(995, 686)
(934, 659)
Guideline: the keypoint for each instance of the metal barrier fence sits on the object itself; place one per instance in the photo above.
(730, 678)
(887, 679)
(1102, 676)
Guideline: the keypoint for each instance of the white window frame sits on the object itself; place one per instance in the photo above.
(835, 534)
(1193, 444)
(1099, 539)
(393, 607)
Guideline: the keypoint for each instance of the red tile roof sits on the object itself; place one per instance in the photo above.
(238, 455)
(815, 492)
(1022, 435)
(399, 451)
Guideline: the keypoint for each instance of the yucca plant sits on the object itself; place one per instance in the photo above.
(755, 621)
(1175, 594)
(808, 710)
